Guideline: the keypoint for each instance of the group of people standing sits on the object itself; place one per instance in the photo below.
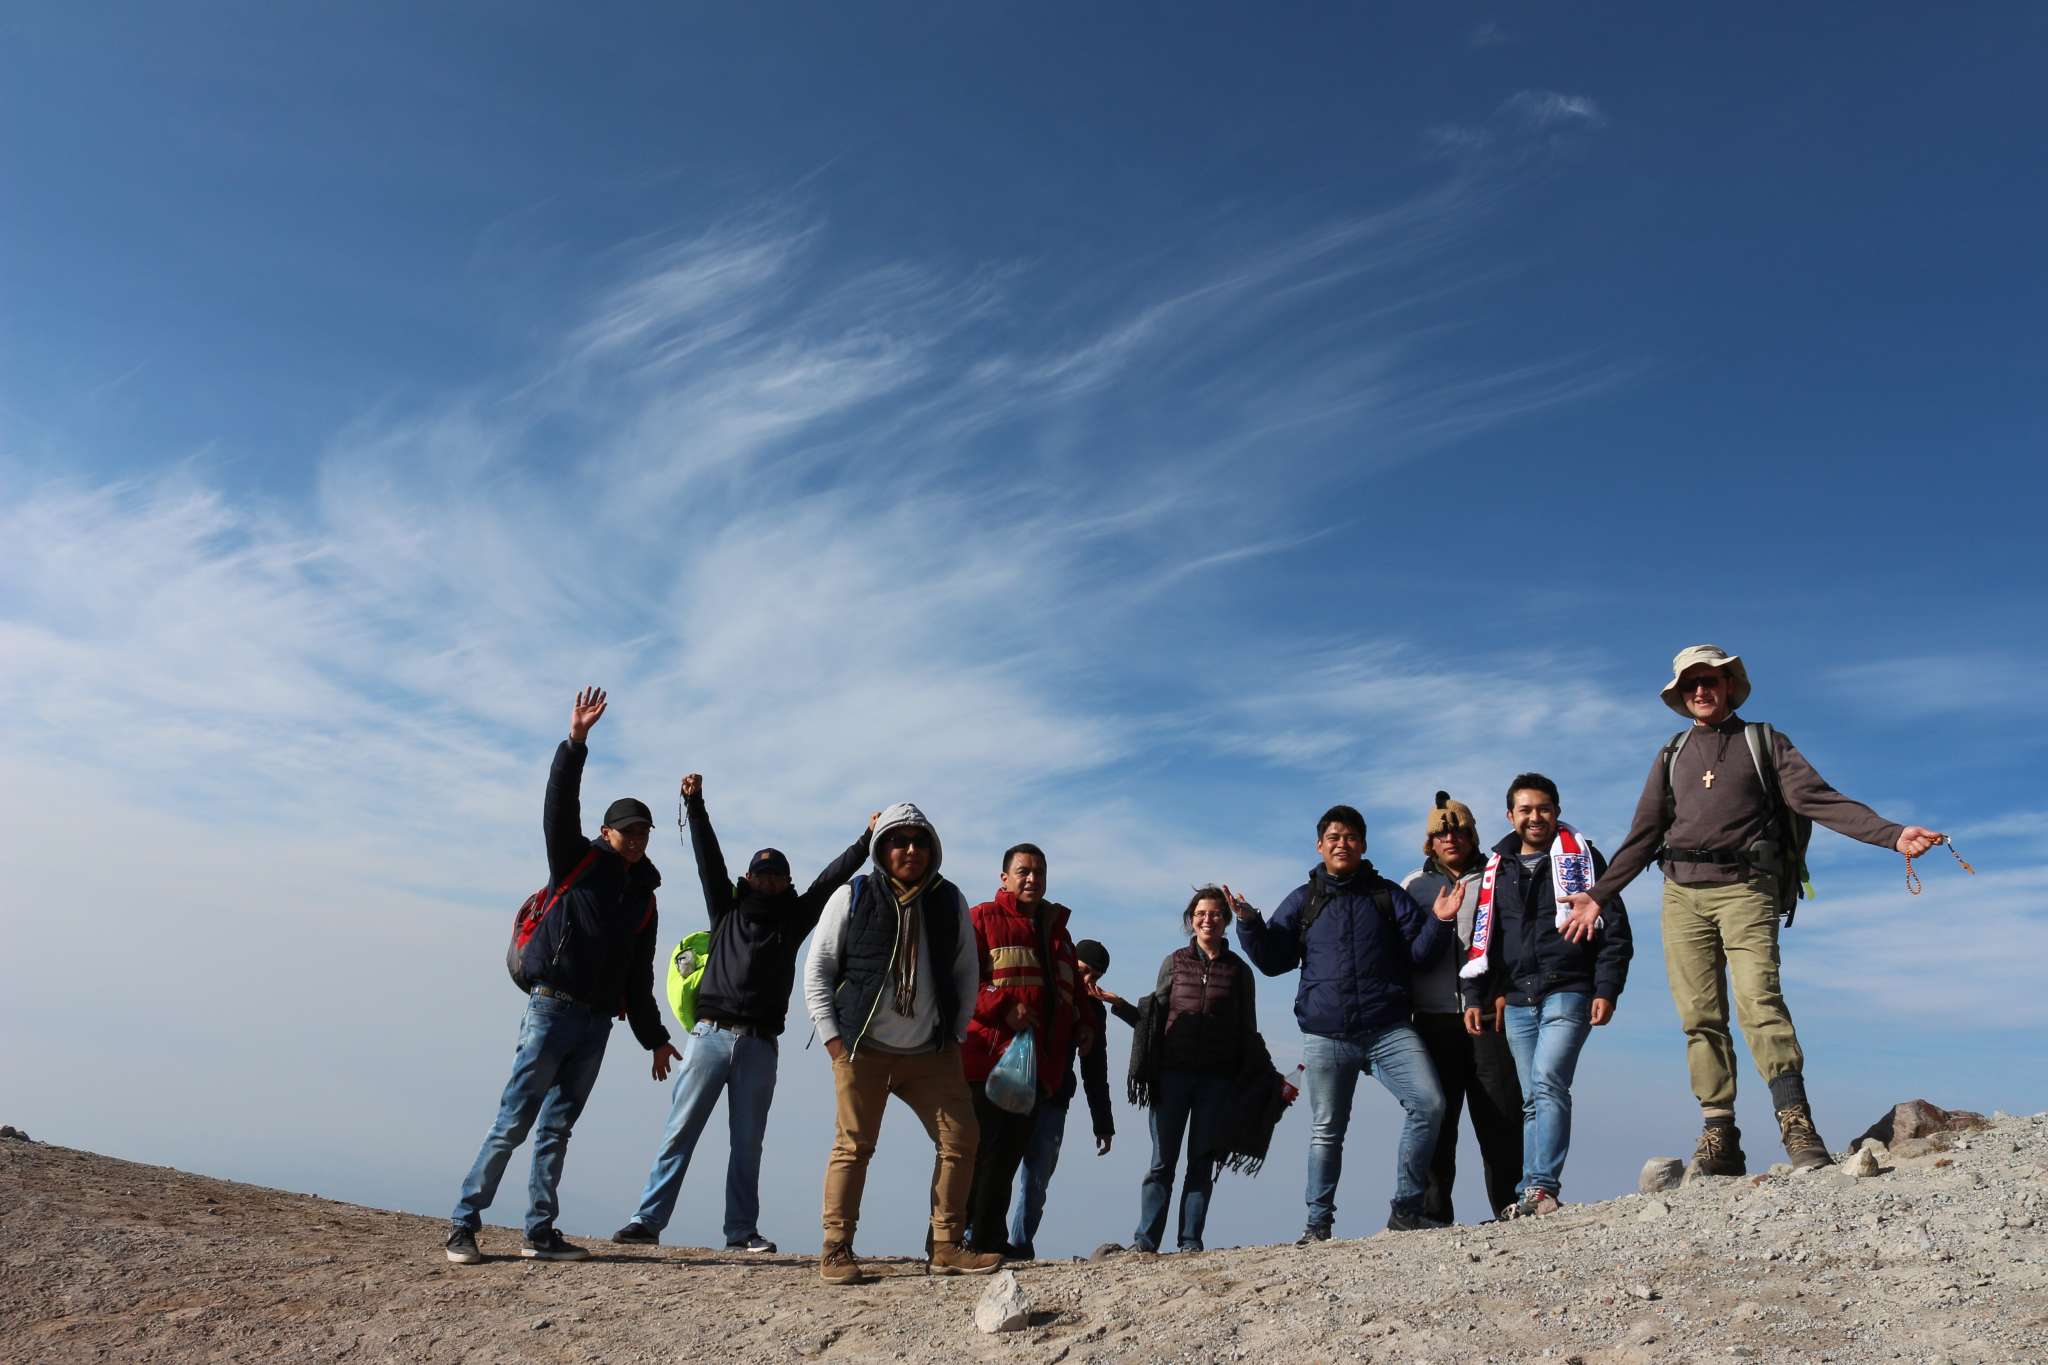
(1472, 985)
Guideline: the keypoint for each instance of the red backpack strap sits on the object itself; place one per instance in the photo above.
(647, 918)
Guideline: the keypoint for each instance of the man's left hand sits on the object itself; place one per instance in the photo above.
(1914, 841)
(663, 1055)
(1603, 1010)
(1018, 1018)
(1102, 1146)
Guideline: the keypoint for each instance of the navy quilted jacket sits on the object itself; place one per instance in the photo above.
(1357, 961)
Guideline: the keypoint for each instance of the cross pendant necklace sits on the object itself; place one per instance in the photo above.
(1707, 779)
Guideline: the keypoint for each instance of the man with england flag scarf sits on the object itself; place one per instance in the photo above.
(1546, 990)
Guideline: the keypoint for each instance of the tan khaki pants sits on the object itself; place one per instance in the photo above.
(1709, 928)
(935, 1088)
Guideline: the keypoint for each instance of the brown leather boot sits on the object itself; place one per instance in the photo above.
(950, 1258)
(838, 1266)
(1719, 1152)
(1803, 1147)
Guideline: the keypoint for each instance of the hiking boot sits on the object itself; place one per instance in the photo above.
(1313, 1233)
(1719, 1152)
(837, 1265)
(636, 1234)
(1412, 1220)
(552, 1246)
(950, 1258)
(1803, 1146)
(462, 1245)
(755, 1243)
(1534, 1203)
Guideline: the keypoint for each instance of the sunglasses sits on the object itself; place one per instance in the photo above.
(1712, 684)
(923, 841)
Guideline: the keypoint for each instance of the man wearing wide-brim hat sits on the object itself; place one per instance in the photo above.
(1707, 819)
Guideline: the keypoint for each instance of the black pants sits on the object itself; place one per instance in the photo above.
(1004, 1139)
(1477, 1072)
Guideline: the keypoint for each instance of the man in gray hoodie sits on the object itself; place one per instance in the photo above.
(890, 983)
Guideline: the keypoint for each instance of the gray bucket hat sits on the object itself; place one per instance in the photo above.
(1692, 656)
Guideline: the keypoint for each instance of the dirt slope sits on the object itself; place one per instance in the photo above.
(1943, 1256)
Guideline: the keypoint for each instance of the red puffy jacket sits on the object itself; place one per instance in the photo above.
(1013, 972)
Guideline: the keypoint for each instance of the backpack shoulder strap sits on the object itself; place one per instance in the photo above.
(1383, 897)
(1762, 741)
(1671, 748)
(854, 889)
(1310, 910)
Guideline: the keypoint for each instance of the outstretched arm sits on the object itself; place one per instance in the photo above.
(711, 873)
(837, 873)
(1272, 946)
(562, 812)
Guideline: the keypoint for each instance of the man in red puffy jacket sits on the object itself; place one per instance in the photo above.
(1030, 979)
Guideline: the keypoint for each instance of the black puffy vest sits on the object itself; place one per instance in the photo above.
(1207, 1021)
(869, 947)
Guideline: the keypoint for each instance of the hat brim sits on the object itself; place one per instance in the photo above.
(1738, 683)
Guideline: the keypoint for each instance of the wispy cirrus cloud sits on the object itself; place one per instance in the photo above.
(1546, 109)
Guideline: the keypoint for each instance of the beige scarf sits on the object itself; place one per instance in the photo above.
(909, 923)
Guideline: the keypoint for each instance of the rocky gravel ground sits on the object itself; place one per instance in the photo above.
(1939, 1256)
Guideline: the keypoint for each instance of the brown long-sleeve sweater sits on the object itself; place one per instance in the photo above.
(1731, 813)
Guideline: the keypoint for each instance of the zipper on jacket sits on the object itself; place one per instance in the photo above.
(894, 943)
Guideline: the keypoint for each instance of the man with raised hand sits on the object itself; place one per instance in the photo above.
(1476, 1070)
(757, 925)
(1713, 816)
(890, 983)
(1029, 980)
(1357, 938)
(591, 957)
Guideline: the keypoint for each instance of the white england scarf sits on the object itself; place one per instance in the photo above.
(1571, 871)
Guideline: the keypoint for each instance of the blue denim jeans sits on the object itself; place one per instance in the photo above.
(1034, 1176)
(1194, 1104)
(561, 1047)
(1546, 1038)
(1396, 1056)
(716, 1061)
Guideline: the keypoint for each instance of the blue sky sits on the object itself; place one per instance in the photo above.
(1128, 429)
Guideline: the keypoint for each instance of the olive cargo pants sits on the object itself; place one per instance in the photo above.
(1715, 934)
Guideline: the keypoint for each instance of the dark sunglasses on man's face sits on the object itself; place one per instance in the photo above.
(923, 841)
(1695, 684)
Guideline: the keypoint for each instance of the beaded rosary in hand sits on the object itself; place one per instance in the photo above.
(1913, 878)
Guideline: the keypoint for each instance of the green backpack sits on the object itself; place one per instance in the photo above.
(685, 974)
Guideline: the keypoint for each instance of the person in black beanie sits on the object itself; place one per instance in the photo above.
(757, 925)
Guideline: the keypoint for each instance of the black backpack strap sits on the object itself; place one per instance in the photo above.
(1317, 899)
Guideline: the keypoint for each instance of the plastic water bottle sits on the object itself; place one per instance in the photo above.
(1290, 1089)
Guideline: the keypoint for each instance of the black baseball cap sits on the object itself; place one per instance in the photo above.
(1093, 954)
(768, 860)
(626, 812)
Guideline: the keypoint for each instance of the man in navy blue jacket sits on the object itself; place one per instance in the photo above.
(1356, 937)
(592, 957)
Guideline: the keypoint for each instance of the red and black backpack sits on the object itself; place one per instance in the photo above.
(533, 912)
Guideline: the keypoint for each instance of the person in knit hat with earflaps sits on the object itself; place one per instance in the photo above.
(1476, 1071)
(1706, 818)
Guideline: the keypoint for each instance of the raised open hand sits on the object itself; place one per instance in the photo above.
(589, 708)
(1239, 906)
(693, 785)
(1448, 900)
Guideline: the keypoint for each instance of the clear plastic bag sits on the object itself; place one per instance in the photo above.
(1013, 1085)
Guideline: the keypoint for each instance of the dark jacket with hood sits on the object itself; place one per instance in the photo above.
(755, 936)
(598, 947)
(1527, 958)
(1356, 960)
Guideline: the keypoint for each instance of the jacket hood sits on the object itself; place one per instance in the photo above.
(899, 816)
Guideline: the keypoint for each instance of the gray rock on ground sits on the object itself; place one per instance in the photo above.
(1004, 1306)
(1660, 1173)
(1863, 1163)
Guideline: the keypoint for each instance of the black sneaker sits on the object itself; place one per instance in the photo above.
(1412, 1220)
(462, 1246)
(755, 1243)
(1313, 1233)
(1021, 1253)
(637, 1234)
(552, 1246)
